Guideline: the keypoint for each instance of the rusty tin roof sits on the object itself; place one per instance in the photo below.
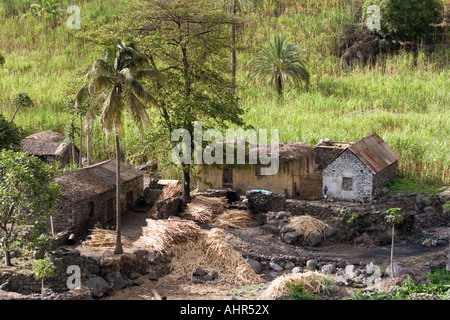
(374, 153)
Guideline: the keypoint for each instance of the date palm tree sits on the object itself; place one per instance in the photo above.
(112, 87)
(277, 63)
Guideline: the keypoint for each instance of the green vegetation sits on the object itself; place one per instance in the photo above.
(43, 268)
(408, 185)
(405, 102)
(10, 135)
(26, 195)
(297, 292)
(438, 283)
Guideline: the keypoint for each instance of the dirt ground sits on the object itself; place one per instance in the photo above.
(252, 241)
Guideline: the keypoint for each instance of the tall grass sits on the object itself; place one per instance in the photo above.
(405, 102)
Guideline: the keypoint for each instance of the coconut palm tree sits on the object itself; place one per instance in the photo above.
(112, 87)
(278, 62)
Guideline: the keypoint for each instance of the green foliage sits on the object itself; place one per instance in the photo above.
(348, 34)
(10, 135)
(22, 100)
(46, 7)
(297, 292)
(409, 185)
(371, 296)
(14, 7)
(44, 268)
(393, 216)
(446, 207)
(327, 284)
(278, 62)
(438, 284)
(406, 19)
(26, 194)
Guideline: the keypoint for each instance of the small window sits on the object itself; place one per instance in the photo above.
(347, 184)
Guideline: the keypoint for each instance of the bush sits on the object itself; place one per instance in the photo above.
(297, 292)
(406, 19)
(10, 135)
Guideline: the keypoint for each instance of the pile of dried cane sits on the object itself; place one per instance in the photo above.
(162, 235)
(204, 209)
(212, 252)
(305, 225)
(105, 238)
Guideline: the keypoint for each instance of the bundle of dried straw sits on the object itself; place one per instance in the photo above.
(162, 235)
(204, 209)
(310, 280)
(212, 252)
(105, 238)
(305, 225)
(233, 218)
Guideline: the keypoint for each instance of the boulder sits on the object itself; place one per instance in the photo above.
(350, 269)
(315, 239)
(98, 286)
(329, 268)
(117, 281)
(291, 237)
(289, 265)
(276, 267)
(297, 270)
(255, 265)
(311, 263)
(399, 270)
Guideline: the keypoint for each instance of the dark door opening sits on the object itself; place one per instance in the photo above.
(227, 177)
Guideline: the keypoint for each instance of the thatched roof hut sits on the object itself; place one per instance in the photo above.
(49, 146)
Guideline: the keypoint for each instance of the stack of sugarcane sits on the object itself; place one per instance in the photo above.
(162, 235)
(105, 238)
(204, 209)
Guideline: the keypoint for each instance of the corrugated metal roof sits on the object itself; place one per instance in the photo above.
(98, 178)
(374, 152)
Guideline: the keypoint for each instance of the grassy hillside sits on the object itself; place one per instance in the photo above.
(406, 104)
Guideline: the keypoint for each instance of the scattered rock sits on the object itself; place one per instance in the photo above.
(350, 269)
(311, 263)
(116, 280)
(291, 237)
(256, 265)
(98, 286)
(289, 265)
(276, 267)
(329, 268)
(399, 270)
(297, 270)
(200, 272)
(273, 274)
(314, 239)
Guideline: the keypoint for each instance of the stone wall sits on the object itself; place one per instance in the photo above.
(382, 178)
(347, 165)
(68, 215)
(324, 155)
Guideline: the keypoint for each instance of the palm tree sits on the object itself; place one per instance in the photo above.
(113, 86)
(233, 7)
(278, 62)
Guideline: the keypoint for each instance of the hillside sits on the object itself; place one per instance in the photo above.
(406, 103)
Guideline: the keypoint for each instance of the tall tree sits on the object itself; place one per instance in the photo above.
(394, 217)
(234, 7)
(278, 62)
(26, 194)
(113, 86)
(189, 39)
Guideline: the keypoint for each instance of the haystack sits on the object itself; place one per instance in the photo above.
(306, 225)
(105, 238)
(310, 280)
(212, 252)
(204, 209)
(163, 235)
(233, 218)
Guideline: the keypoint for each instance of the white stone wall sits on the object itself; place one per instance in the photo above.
(349, 166)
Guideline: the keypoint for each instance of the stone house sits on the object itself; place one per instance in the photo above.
(296, 176)
(89, 195)
(360, 169)
(49, 146)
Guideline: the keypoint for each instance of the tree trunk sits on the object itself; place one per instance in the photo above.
(7, 258)
(186, 183)
(233, 52)
(42, 288)
(118, 249)
(80, 156)
(392, 252)
(88, 145)
(279, 84)
(14, 115)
